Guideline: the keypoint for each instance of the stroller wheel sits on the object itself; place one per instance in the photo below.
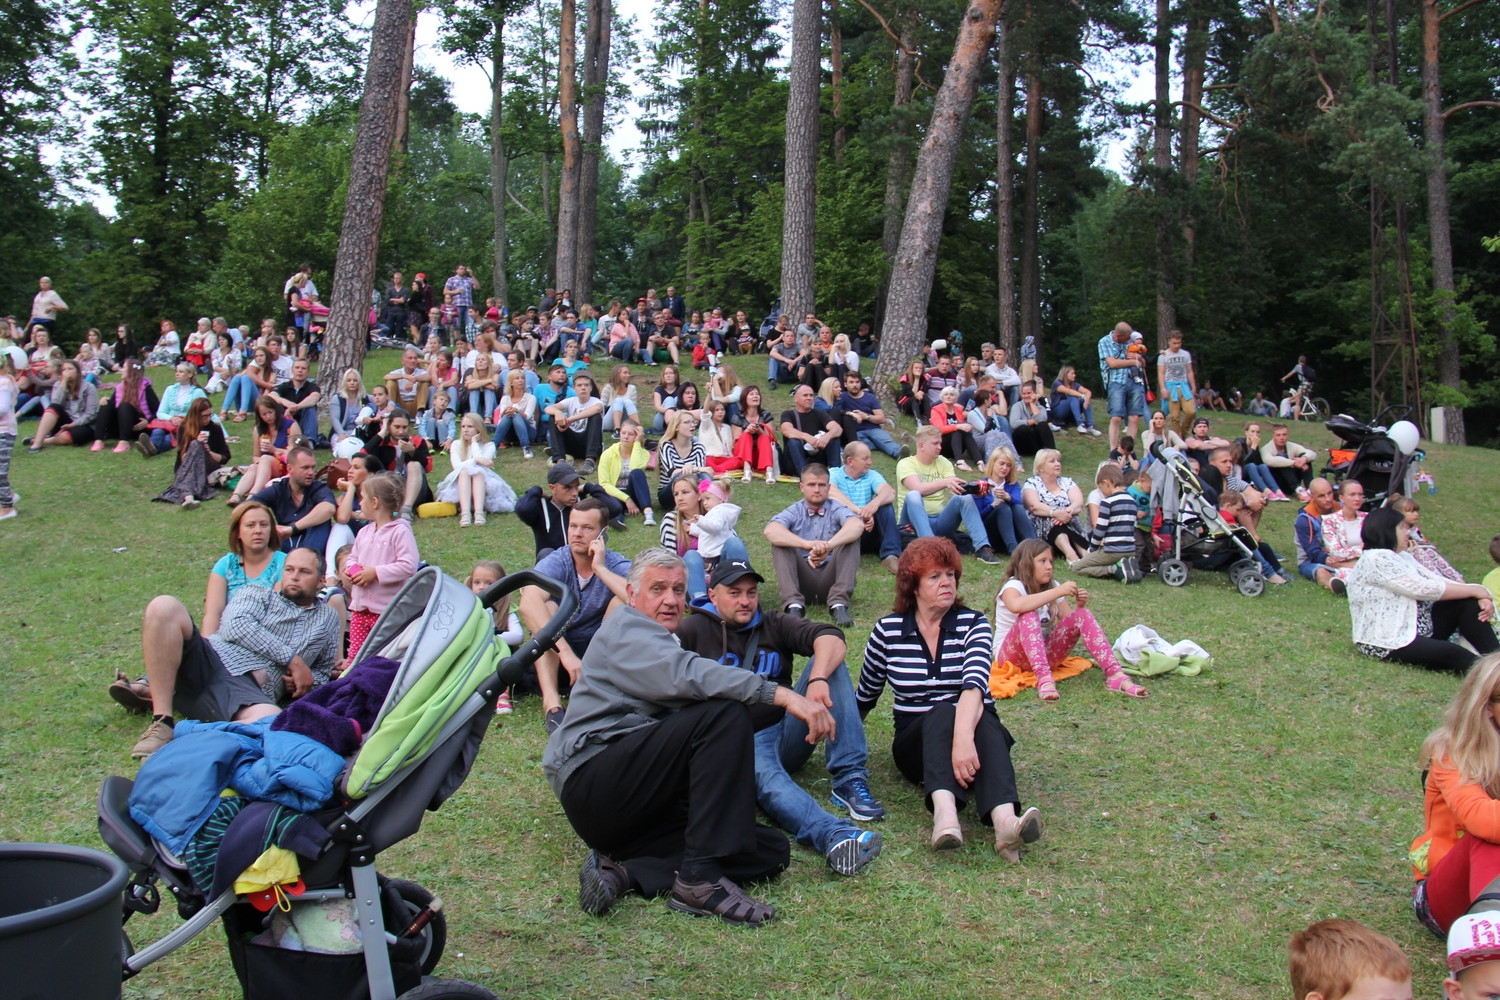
(435, 933)
(1238, 569)
(1251, 583)
(448, 989)
(1173, 572)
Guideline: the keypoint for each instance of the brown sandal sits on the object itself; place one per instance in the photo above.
(722, 899)
(133, 696)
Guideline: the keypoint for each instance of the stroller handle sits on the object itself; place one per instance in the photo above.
(514, 665)
(1155, 450)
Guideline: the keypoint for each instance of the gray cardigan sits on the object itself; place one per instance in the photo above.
(635, 673)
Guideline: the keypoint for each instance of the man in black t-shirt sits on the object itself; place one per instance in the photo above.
(810, 435)
(300, 397)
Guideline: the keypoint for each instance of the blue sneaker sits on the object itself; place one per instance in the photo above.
(854, 795)
(851, 854)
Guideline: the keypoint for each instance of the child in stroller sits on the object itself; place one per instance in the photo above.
(1199, 536)
(438, 657)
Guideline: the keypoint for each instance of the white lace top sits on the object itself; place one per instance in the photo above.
(1384, 589)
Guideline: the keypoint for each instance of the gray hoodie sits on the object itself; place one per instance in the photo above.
(634, 674)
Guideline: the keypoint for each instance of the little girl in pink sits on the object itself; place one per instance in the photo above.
(1037, 635)
(384, 557)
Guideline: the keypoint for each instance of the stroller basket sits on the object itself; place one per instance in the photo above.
(419, 752)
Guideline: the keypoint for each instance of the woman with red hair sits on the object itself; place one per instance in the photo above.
(935, 654)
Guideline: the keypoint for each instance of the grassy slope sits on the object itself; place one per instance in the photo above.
(1188, 835)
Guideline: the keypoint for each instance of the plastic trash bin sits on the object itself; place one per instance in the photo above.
(60, 922)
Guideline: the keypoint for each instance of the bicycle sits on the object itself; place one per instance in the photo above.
(1311, 408)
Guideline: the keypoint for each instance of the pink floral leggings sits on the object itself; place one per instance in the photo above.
(1029, 647)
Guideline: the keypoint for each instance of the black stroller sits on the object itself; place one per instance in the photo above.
(1371, 457)
(1197, 530)
(416, 755)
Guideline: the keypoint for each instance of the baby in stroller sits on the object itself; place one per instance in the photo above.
(1199, 535)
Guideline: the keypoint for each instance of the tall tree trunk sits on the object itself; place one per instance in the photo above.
(1194, 60)
(1005, 237)
(499, 165)
(364, 205)
(836, 60)
(567, 113)
(799, 207)
(1161, 162)
(916, 257)
(898, 165)
(1031, 277)
(595, 92)
(549, 246)
(697, 224)
(1438, 220)
(403, 106)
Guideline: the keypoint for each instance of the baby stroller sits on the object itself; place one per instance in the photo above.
(1196, 528)
(1372, 457)
(417, 753)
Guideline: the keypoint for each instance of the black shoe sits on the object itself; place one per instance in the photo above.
(985, 554)
(795, 610)
(600, 882)
(771, 384)
(554, 720)
(841, 616)
(618, 524)
(1337, 586)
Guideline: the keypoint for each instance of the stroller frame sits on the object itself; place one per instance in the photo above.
(350, 858)
(1178, 487)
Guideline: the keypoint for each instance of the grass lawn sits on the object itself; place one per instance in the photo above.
(1188, 835)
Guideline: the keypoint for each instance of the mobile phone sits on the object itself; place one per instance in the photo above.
(604, 537)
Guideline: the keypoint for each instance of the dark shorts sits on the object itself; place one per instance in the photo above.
(206, 691)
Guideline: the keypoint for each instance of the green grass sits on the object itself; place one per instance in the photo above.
(1187, 837)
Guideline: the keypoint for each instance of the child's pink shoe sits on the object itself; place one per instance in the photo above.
(97, 446)
(502, 704)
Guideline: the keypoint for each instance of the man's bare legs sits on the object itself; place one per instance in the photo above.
(166, 627)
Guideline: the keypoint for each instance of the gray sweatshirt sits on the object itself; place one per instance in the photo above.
(634, 674)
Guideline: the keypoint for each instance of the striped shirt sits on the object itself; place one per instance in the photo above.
(859, 491)
(896, 654)
(261, 630)
(1114, 530)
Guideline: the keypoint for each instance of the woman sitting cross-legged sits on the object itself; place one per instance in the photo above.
(474, 484)
(201, 449)
(515, 417)
(1037, 631)
(935, 654)
(1456, 858)
(1403, 611)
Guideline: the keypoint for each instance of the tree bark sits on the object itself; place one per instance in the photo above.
(364, 205)
(1161, 163)
(836, 62)
(596, 41)
(798, 228)
(1194, 61)
(916, 256)
(1438, 219)
(499, 165)
(403, 106)
(567, 113)
(898, 165)
(1005, 195)
(549, 248)
(1031, 278)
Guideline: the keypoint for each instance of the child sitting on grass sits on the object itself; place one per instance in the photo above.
(485, 573)
(1112, 544)
(1345, 960)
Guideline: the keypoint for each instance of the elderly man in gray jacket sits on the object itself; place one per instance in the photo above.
(655, 763)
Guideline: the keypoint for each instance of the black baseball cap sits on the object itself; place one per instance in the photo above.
(731, 572)
(562, 474)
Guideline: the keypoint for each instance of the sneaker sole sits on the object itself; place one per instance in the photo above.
(595, 897)
(850, 857)
(855, 813)
(128, 699)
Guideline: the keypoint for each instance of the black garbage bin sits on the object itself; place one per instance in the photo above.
(60, 922)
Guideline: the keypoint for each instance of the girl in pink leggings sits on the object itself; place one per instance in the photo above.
(1039, 633)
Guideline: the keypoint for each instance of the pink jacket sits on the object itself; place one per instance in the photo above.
(392, 551)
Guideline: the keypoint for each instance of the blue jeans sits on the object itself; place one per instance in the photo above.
(1071, 408)
(1009, 521)
(307, 422)
(623, 351)
(1260, 477)
(783, 748)
(697, 572)
(885, 538)
(241, 394)
(778, 372)
(160, 439)
(1309, 570)
(513, 425)
(1127, 399)
(831, 455)
(958, 510)
(879, 439)
(620, 409)
(482, 402)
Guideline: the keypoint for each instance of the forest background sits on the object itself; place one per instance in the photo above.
(1276, 196)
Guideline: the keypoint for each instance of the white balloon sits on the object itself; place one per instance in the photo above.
(939, 345)
(1406, 436)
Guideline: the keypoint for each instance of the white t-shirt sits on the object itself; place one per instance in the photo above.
(572, 405)
(1005, 619)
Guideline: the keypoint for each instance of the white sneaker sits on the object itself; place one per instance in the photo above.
(528, 453)
(747, 476)
(770, 478)
(479, 517)
(1094, 431)
(650, 518)
(190, 503)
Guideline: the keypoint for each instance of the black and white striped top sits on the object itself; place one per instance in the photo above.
(897, 654)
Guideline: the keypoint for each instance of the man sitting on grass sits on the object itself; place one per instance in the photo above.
(270, 648)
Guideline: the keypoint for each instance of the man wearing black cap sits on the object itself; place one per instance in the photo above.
(729, 626)
(577, 425)
(546, 514)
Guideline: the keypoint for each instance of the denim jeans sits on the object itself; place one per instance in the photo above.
(1009, 521)
(620, 410)
(879, 439)
(958, 510)
(513, 425)
(241, 394)
(783, 748)
(778, 372)
(696, 571)
(160, 439)
(886, 536)
(1127, 399)
(831, 455)
(482, 402)
(307, 422)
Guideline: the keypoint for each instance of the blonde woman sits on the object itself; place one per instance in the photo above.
(515, 417)
(343, 412)
(619, 399)
(724, 387)
(473, 484)
(1002, 509)
(842, 358)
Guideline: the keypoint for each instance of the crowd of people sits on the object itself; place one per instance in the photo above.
(673, 703)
